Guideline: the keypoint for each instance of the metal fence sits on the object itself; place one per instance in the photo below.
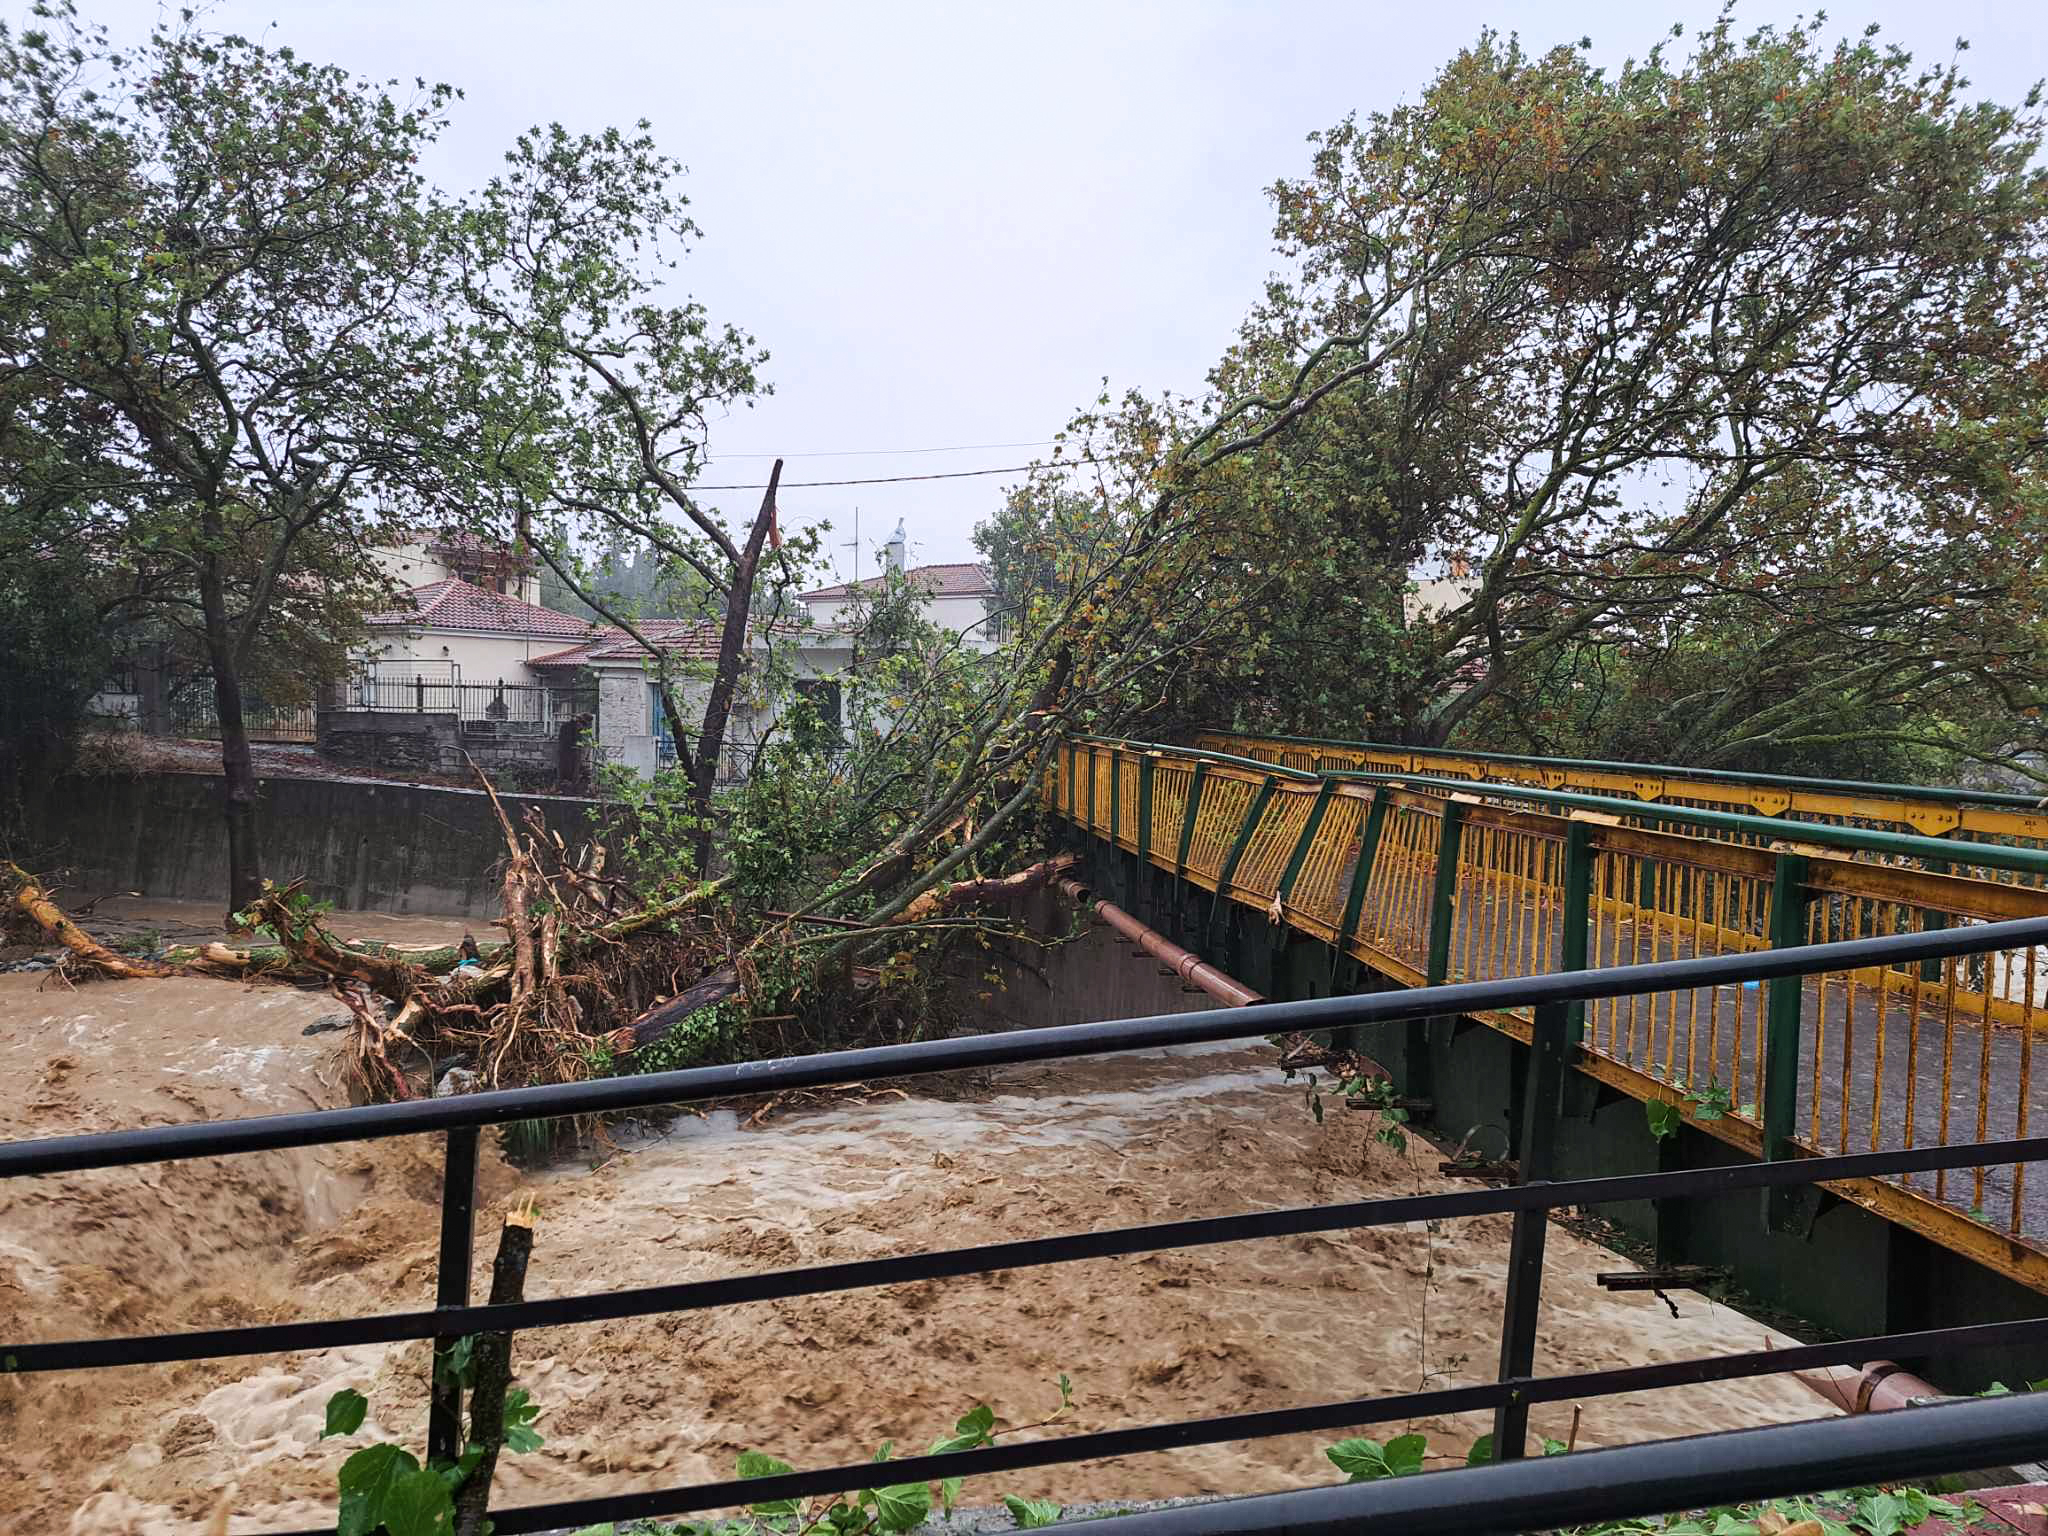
(504, 709)
(194, 717)
(1429, 880)
(1603, 1484)
(1967, 816)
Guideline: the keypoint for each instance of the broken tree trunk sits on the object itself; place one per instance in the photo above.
(490, 1361)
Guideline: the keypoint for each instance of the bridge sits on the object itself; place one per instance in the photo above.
(1312, 868)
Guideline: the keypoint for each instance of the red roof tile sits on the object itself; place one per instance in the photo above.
(963, 580)
(686, 639)
(453, 603)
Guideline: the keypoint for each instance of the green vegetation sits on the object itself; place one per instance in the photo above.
(1711, 383)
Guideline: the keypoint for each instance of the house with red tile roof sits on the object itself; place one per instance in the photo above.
(959, 597)
(489, 651)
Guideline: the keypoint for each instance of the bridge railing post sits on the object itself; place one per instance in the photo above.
(1443, 905)
(1361, 877)
(1146, 763)
(1785, 1000)
(1542, 1108)
(1189, 816)
(1227, 875)
(1578, 912)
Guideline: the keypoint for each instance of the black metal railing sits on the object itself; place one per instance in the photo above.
(1585, 1486)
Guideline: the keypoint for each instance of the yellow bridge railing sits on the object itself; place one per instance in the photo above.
(2010, 820)
(1427, 879)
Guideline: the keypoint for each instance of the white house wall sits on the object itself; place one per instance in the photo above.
(482, 658)
(625, 708)
(413, 565)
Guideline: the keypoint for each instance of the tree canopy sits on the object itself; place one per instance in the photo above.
(1725, 373)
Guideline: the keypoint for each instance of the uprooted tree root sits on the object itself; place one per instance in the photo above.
(580, 949)
(588, 971)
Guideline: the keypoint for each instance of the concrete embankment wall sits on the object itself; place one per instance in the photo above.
(362, 845)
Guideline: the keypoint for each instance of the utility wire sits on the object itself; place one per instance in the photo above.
(868, 453)
(956, 474)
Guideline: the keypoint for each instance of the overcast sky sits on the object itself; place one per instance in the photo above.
(948, 223)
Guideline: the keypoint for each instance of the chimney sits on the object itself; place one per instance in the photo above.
(893, 550)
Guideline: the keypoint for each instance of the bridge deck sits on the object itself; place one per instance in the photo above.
(1542, 879)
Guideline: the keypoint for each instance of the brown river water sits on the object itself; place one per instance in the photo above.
(657, 1402)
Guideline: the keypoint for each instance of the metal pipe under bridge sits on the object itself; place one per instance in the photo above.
(1309, 868)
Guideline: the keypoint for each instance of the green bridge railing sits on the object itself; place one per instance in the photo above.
(1430, 879)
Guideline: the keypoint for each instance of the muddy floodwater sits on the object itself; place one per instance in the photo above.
(662, 1401)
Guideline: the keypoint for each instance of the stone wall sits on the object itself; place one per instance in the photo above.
(434, 743)
(361, 845)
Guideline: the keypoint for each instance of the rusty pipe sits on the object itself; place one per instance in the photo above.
(1880, 1386)
(1186, 964)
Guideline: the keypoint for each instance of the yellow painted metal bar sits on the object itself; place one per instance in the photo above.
(1845, 806)
(1656, 894)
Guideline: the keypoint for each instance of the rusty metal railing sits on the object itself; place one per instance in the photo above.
(1429, 881)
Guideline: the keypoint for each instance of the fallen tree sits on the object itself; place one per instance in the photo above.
(588, 972)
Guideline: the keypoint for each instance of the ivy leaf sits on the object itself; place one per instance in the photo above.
(1665, 1118)
(949, 1492)
(903, 1506)
(1481, 1452)
(345, 1411)
(366, 1478)
(760, 1464)
(1031, 1514)
(977, 1421)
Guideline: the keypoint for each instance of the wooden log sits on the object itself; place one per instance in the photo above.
(706, 992)
(490, 1360)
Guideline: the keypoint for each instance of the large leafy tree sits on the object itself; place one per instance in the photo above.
(217, 261)
(1753, 341)
(586, 391)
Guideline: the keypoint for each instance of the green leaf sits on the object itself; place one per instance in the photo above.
(1405, 1453)
(456, 1473)
(1481, 1452)
(1880, 1514)
(1362, 1460)
(903, 1506)
(520, 1412)
(607, 1529)
(520, 1440)
(1664, 1117)
(345, 1411)
(949, 1492)
(366, 1478)
(1554, 1447)
(1031, 1514)
(451, 1365)
(977, 1421)
(417, 1504)
(888, 1448)
(760, 1464)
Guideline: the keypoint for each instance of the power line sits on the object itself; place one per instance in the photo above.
(869, 453)
(956, 474)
